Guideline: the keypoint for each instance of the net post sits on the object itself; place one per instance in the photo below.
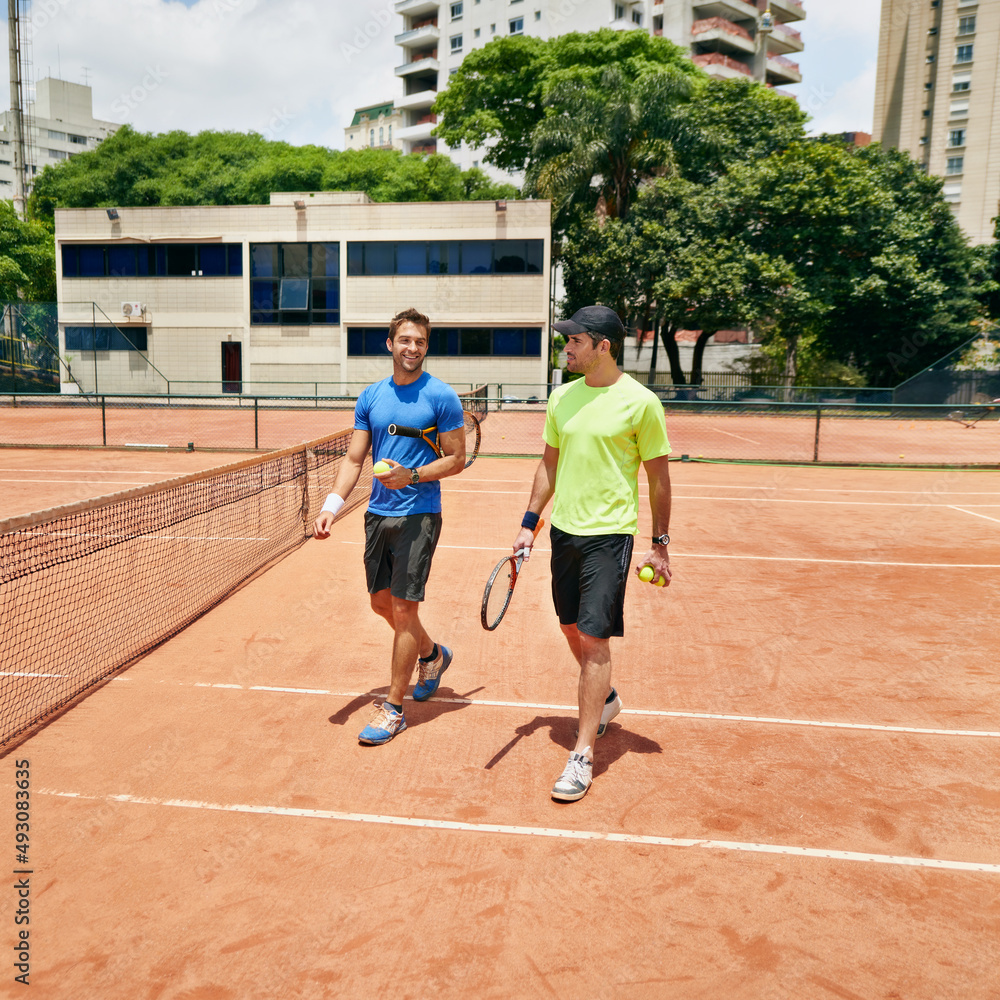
(819, 411)
(104, 424)
(255, 435)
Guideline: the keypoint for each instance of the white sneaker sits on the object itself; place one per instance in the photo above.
(575, 780)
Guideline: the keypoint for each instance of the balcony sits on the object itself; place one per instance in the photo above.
(788, 10)
(422, 64)
(419, 132)
(721, 66)
(415, 102)
(784, 39)
(731, 10)
(426, 34)
(782, 70)
(416, 7)
(723, 35)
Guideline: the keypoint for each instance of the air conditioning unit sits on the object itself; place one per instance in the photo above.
(131, 309)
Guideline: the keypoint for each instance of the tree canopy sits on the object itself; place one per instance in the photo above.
(27, 259)
(135, 169)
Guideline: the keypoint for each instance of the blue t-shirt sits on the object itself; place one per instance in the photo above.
(424, 403)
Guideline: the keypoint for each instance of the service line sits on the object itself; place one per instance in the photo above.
(537, 831)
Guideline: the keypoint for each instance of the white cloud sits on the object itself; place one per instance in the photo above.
(292, 69)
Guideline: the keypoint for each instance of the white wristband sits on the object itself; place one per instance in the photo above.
(333, 504)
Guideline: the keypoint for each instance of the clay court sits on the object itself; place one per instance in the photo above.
(799, 799)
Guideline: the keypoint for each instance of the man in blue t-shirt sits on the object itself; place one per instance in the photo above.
(403, 521)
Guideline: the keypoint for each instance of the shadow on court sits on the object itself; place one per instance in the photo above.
(416, 711)
(615, 743)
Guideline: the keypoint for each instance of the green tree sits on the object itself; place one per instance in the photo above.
(498, 96)
(27, 259)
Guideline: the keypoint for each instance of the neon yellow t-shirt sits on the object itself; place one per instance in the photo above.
(602, 433)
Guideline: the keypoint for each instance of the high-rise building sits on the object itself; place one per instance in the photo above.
(58, 124)
(936, 96)
(723, 37)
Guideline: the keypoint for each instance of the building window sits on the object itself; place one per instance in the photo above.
(930, 58)
(456, 43)
(959, 107)
(961, 81)
(390, 135)
(952, 192)
(294, 284)
(456, 11)
(80, 140)
(637, 17)
(371, 138)
(493, 29)
(967, 24)
(381, 136)
(379, 257)
(517, 25)
(956, 137)
(471, 341)
(538, 15)
(932, 31)
(475, 32)
(956, 165)
(106, 338)
(164, 260)
(57, 154)
(619, 11)
(58, 136)
(963, 53)
(927, 112)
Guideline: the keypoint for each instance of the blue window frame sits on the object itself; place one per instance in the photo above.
(294, 284)
(378, 257)
(105, 338)
(170, 260)
(475, 341)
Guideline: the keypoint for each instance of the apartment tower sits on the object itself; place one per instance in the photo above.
(722, 37)
(936, 96)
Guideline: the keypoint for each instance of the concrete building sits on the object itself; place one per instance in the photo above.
(59, 123)
(721, 35)
(376, 126)
(936, 96)
(295, 297)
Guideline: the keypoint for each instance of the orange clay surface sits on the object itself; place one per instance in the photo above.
(799, 799)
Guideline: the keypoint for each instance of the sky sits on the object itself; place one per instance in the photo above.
(295, 70)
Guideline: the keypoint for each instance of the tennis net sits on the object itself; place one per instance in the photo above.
(87, 588)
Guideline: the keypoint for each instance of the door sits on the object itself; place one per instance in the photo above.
(232, 367)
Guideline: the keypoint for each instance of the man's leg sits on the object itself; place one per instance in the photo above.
(410, 642)
(382, 604)
(594, 657)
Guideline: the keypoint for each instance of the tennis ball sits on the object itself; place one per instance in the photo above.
(379, 467)
(661, 581)
(646, 574)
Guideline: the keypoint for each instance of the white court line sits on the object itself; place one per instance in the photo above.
(148, 538)
(730, 434)
(712, 555)
(535, 831)
(78, 482)
(757, 500)
(975, 513)
(572, 709)
(22, 673)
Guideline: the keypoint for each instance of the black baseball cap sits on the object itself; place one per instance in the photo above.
(593, 319)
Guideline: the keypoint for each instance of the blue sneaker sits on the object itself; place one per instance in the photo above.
(430, 674)
(385, 723)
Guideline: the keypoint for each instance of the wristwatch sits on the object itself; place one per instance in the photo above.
(414, 476)
(661, 539)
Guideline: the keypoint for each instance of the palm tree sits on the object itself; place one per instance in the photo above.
(596, 146)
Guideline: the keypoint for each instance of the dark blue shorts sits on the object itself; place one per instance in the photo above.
(398, 552)
(589, 574)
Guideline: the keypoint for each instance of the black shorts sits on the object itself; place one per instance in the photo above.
(589, 573)
(398, 553)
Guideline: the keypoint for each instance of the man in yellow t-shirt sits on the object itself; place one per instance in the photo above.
(598, 429)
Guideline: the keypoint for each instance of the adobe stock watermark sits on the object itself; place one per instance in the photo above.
(369, 31)
(131, 99)
(279, 122)
(43, 13)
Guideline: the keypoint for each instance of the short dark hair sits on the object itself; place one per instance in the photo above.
(615, 342)
(599, 323)
(410, 315)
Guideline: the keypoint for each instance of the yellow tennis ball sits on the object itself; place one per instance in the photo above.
(646, 574)
(379, 467)
(661, 581)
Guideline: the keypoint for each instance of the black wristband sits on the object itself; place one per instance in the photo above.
(530, 520)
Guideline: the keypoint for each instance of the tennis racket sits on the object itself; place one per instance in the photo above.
(500, 587)
(429, 436)
(967, 419)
